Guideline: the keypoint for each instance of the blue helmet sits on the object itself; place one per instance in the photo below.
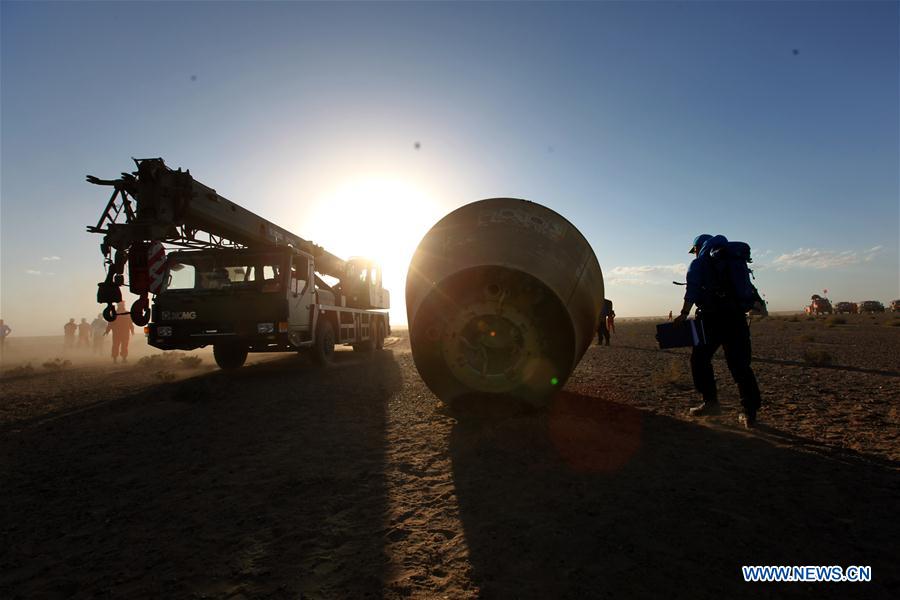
(698, 242)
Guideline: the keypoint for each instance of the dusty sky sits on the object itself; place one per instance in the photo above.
(642, 123)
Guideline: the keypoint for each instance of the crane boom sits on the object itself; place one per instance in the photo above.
(171, 206)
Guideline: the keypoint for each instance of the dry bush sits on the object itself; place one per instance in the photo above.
(816, 357)
(156, 361)
(20, 371)
(169, 361)
(895, 322)
(164, 375)
(57, 364)
(835, 320)
(674, 375)
(190, 362)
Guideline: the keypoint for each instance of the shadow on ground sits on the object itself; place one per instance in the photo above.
(597, 499)
(268, 482)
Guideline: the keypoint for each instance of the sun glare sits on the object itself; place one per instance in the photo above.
(379, 217)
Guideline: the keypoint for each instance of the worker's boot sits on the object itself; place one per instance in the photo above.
(709, 408)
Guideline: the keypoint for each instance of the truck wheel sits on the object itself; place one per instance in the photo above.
(230, 356)
(323, 348)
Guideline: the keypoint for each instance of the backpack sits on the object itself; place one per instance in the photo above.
(607, 308)
(728, 280)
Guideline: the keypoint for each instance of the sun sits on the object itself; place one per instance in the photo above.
(379, 217)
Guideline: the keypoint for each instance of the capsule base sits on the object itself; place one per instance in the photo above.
(493, 331)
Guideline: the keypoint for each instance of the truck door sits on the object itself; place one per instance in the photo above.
(300, 296)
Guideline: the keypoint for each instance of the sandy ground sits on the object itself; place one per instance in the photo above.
(284, 481)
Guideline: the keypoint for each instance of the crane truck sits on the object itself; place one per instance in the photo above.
(223, 276)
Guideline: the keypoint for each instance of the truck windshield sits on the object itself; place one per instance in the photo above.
(223, 272)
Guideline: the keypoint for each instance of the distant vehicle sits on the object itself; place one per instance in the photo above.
(895, 306)
(819, 306)
(871, 306)
(850, 308)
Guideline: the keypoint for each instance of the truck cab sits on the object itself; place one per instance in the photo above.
(364, 287)
(251, 300)
(251, 297)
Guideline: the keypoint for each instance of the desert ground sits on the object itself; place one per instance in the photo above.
(164, 478)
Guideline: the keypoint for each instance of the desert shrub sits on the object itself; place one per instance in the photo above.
(816, 357)
(20, 371)
(190, 362)
(164, 375)
(835, 320)
(895, 322)
(169, 361)
(156, 361)
(57, 364)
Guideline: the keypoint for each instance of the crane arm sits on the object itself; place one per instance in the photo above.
(157, 203)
